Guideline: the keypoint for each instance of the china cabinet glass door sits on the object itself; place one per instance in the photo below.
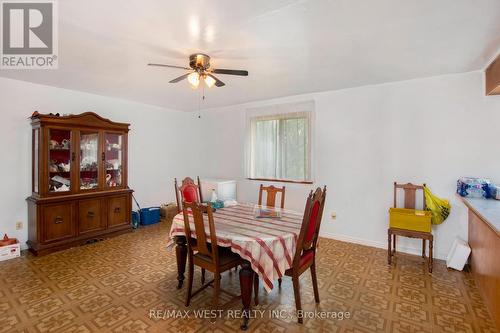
(59, 160)
(113, 152)
(89, 155)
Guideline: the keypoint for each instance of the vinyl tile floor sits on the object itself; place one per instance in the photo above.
(128, 284)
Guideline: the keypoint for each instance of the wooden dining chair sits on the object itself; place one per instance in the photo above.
(271, 192)
(188, 191)
(203, 250)
(410, 202)
(305, 253)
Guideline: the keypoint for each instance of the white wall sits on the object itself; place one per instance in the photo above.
(155, 156)
(430, 130)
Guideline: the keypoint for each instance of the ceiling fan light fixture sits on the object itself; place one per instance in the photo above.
(194, 79)
(209, 81)
(200, 70)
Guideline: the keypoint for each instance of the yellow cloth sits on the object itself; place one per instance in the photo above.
(440, 208)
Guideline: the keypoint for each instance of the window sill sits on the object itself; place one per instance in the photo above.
(282, 180)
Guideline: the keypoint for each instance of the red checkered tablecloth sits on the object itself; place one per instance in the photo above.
(267, 243)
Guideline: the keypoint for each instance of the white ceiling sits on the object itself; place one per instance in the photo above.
(289, 47)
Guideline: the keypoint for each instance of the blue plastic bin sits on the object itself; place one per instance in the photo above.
(150, 215)
(135, 219)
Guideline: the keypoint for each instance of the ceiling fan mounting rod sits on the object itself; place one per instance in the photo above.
(199, 61)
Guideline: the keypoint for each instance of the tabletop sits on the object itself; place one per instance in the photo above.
(487, 209)
(267, 243)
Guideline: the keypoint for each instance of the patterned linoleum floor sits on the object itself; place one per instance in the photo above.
(128, 284)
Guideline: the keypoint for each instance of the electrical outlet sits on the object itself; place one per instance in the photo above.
(19, 225)
(333, 216)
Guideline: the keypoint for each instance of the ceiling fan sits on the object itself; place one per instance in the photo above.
(201, 70)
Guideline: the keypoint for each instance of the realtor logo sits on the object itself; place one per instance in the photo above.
(29, 34)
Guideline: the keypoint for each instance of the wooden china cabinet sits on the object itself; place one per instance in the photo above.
(79, 181)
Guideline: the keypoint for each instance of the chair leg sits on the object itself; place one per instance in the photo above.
(393, 244)
(315, 282)
(216, 290)
(389, 254)
(423, 248)
(256, 288)
(430, 255)
(203, 276)
(296, 291)
(279, 282)
(190, 281)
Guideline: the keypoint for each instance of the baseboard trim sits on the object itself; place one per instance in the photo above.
(377, 244)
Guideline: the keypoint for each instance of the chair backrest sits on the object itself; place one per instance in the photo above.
(199, 243)
(410, 194)
(188, 191)
(271, 195)
(311, 222)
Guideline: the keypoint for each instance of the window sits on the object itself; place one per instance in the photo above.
(280, 143)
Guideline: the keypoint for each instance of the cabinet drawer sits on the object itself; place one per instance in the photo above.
(58, 222)
(118, 211)
(90, 216)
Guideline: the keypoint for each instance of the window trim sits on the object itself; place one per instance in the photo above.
(282, 180)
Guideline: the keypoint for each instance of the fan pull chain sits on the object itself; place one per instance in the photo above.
(202, 98)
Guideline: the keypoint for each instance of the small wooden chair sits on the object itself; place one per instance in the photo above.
(272, 191)
(204, 252)
(410, 201)
(189, 192)
(271, 195)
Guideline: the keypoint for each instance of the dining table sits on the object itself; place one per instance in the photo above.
(264, 237)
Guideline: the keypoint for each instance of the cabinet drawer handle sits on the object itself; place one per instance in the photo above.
(117, 209)
(103, 156)
(58, 220)
(72, 156)
(90, 214)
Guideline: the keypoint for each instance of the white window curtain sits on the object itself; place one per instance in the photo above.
(279, 142)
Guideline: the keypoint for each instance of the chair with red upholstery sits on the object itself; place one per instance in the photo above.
(188, 192)
(305, 253)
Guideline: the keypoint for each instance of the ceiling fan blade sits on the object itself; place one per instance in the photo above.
(180, 78)
(230, 72)
(218, 83)
(169, 66)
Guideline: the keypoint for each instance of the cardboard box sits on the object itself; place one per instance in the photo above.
(459, 253)
(10, 251)
(168, 211)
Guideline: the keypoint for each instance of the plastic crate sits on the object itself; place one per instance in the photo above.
(410, 219)
(150, 215)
